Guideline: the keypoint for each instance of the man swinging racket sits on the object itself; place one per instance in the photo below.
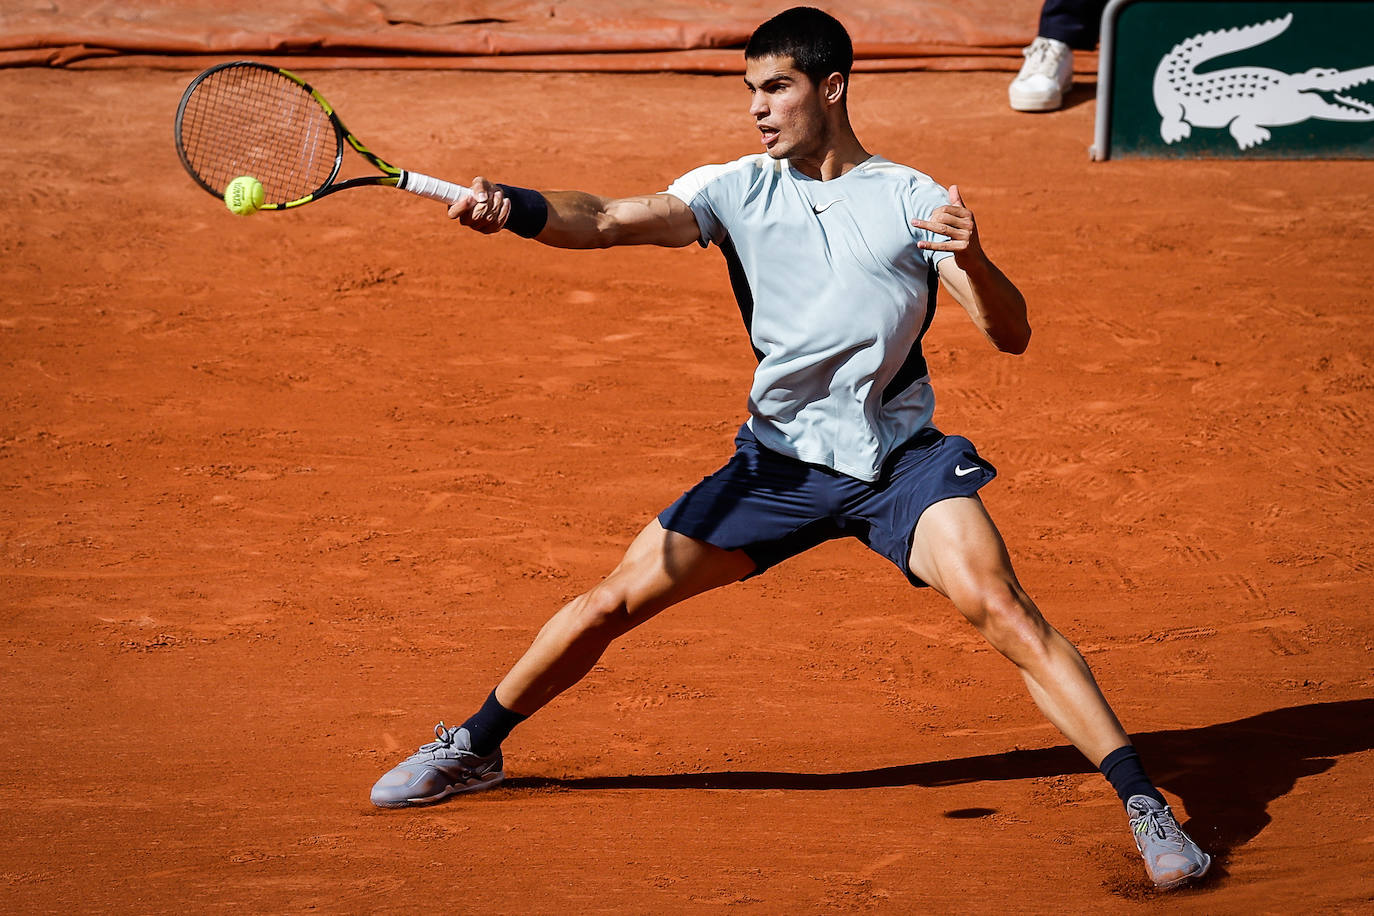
(835, 255)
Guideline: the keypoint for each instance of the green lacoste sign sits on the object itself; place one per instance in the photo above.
(1275, 80)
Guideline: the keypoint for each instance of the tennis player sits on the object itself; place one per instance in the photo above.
(836, 256)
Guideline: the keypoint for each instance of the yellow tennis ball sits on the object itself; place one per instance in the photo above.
(244, 195)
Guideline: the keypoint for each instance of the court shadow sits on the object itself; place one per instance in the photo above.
(1226, 774)
(1080, 93)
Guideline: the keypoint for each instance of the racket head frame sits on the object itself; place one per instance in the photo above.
(390, 176)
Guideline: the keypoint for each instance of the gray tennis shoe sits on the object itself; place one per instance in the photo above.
(444, 767)
(1171, 857)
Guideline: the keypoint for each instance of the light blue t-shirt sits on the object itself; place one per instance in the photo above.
(836, 297)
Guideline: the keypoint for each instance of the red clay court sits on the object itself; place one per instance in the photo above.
(278, 493)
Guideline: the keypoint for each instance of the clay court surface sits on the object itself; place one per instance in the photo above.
(279, 493)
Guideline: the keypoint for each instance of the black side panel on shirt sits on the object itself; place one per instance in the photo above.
(744, 296)
(914, 367)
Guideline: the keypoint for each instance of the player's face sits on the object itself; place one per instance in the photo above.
(786, 106)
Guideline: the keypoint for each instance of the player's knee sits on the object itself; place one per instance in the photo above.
(603, 612)
(1008, 619)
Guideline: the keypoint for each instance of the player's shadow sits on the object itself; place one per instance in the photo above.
(1226, 774)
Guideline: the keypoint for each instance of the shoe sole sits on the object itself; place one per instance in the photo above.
(489, 781)
(1022, 103)
(1186, 879)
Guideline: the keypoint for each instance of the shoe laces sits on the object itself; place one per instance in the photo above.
(1042, 57)
(1160, 823)
(442, 746)
(443, 735)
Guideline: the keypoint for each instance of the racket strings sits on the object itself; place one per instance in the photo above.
(249, 120)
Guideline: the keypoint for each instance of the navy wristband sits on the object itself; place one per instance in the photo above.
(529, 211)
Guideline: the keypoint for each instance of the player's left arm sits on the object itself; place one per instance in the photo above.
(991, 300)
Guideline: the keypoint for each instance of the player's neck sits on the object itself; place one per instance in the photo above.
(840, 152)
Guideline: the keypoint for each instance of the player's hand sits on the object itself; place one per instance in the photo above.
(955, 222)
(485, 210)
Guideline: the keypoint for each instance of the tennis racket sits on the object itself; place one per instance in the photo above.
(246, 118)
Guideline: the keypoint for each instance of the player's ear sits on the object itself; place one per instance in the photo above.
(833, 87)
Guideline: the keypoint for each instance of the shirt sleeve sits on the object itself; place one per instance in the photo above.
(694, 189)
(924, 199)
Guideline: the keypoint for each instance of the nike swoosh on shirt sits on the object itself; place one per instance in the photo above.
(964, 472)
(821, 208)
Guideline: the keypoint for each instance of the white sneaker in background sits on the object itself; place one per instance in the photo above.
(1044, 78)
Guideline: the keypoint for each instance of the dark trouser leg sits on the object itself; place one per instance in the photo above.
(1074, 22)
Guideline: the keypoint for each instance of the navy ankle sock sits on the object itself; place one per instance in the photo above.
(490, 725)
(1124, 771)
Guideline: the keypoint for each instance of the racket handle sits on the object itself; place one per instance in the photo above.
(433, 188)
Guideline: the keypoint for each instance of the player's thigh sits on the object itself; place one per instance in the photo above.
(662, 568)
(958, 551)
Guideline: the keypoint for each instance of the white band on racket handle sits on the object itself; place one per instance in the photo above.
(433, 188)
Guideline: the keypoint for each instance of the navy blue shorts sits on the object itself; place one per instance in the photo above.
(773, 507)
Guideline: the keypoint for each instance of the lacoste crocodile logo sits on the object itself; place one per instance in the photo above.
(1247, 100)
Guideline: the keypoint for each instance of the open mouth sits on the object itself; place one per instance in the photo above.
(1356, 109)
(769, 135)
(1332, 85)
(1356, 106)
(1351, 104)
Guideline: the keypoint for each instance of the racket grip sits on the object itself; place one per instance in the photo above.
(433, 188)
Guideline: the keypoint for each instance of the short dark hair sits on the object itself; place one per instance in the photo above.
(816, 41)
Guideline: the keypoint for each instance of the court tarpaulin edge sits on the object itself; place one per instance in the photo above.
(500, 35)
(710, 62)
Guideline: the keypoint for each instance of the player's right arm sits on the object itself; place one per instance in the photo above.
(577, 219)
